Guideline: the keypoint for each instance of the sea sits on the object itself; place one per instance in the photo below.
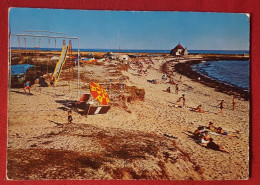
(231, 72)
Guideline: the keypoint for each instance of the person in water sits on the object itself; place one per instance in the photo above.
(26, 85)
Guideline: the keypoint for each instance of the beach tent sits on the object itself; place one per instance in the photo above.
(123, 57)
(55, 58)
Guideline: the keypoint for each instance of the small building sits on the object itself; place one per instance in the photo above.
(179, 50)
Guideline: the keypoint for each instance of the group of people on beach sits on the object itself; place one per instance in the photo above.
(201, 135)
(221, 106)
(139, 63)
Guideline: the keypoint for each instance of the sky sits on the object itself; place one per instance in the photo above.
(133, 29)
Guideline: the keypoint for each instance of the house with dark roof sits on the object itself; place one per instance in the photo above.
(179, 50)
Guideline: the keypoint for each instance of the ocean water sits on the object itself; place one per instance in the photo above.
(231, 72)
(20, 68)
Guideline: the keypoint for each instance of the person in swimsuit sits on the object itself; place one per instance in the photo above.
(212, 127)
(183, 100)
(198, 133)
(168, 89)
(69, 116)
(180, 77)
(27, 86)
(176, 89)
(219, 130)
(221, 106)
(212, 145)
(199, 109)
(52, 80)
(234, 101)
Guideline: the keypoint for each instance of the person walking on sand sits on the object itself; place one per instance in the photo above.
(70, 116)
(234, 101)
(221, 106)
(180, 77)
(183, 100)
(176, 89)
(26, 85)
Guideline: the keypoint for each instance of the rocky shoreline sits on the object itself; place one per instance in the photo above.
(185, 69)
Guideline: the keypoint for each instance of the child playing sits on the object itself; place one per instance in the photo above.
(27, 86)
(69, 116)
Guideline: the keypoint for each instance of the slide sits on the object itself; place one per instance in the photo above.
(59, 65)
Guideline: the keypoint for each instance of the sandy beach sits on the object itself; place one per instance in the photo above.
(148, 138)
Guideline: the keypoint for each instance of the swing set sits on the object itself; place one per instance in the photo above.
(64, 64)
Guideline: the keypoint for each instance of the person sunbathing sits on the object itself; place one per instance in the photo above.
(219, 130)
(199, 109)
(212, 127)
(198, 133)
(212, 145)
(204, 138)
(171, 81)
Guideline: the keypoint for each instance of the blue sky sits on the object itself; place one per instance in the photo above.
(134, 30)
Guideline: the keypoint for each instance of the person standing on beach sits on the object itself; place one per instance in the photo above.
(26, 85)
(176, 89)
(180, 77)
(52, 81)
(69, 116)
(234, 101)
(221, 106)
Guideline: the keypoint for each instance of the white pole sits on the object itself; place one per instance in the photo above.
(78, 86)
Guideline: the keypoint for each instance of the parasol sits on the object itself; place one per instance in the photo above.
(99, 93)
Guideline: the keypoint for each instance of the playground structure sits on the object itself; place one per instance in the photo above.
(64, 73)
(64, 64)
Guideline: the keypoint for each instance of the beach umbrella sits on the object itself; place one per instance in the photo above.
(99, 93)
